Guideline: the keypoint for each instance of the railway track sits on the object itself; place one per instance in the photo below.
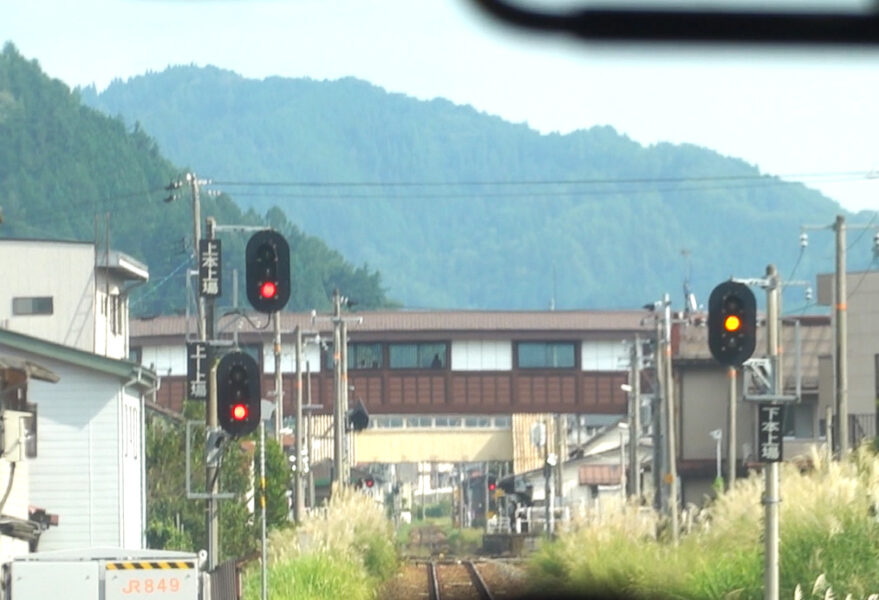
(456, 580)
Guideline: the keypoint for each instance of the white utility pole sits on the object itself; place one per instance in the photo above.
(771, 493)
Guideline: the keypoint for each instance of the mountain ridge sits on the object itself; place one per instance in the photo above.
(461, 209)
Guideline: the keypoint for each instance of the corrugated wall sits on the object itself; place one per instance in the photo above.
(527, 456)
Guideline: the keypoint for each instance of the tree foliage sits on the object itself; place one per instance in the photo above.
(67, 171)
(175, 522)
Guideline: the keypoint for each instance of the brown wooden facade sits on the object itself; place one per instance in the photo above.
(387, 391)
(440, 389)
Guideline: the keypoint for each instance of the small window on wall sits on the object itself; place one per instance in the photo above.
(135, 354)
(417, 356)
(798, 420)
(33, 306)
(545, 355)
(364, 356)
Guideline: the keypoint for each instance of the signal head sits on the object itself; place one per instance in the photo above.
(267, 262)
(732, 323)
(238, 393)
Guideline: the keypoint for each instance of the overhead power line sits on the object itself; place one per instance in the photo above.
(781, 179)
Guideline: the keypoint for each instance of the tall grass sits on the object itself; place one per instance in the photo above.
(344, 550)
(829, 533)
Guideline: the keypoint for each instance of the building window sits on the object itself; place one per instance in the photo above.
(545, 355)
(116, 314)
(415, 422)
(799, 420)
(502, 422)
(418, 356)
(135, 354)
(448, 422)
(364, 356)
(42, 305)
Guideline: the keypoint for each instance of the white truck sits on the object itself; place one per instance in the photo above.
(102, 574)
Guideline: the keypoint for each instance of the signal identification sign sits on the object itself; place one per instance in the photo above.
(210, 265)
(769, 440)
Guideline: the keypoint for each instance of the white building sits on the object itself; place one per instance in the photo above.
(64, 306)
(68, 293)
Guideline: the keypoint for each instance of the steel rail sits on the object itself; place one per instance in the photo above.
(478, 581)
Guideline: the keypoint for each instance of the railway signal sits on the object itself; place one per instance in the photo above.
(267, 262)
(238, 394)
(732, 323)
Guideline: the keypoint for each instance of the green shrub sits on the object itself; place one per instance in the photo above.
(443, 508)
(829, 533)
(318, 576)
(343, 551)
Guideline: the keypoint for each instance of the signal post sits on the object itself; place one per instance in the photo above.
(732, 325)
(233, 385)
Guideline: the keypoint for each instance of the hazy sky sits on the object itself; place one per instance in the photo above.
(805, 113)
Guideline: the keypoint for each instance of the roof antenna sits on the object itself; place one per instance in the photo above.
(690, 305)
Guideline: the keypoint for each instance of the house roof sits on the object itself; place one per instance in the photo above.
(402, 321)
(124, 369)
(123, 266)
(815, 336)
(29, 368)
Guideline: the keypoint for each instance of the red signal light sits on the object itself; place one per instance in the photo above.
(370, 482)
(492, 487)
(239, 412)
(732, 323)
(268, 289)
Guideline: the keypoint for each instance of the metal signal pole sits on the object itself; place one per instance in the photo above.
(672, 476)
(841, 338)
(279, 380)
(771, 497)
(299, 505)
(731, 436)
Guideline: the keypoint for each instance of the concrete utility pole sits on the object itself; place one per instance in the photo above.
(338, 415)
(635, 423)
(672, 476)
(212, 482)
(841, 338)
(547, 473)
(659, 448)
(559, 426)
(771, 497)
(346, 439)
(196, 236)
(340, 383)
(309, 435)
(279, 379)
(299, 503)
(731, 436)
(840, 326)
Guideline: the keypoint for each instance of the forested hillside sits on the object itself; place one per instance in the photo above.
(62, 164)
(462, 209)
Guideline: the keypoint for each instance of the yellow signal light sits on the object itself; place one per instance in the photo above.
(732, 323)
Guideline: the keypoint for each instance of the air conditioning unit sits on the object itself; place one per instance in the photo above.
(19, 435)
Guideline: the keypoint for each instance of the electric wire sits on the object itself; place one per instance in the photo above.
(155, 287)
(836, 175)
(864, 230)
